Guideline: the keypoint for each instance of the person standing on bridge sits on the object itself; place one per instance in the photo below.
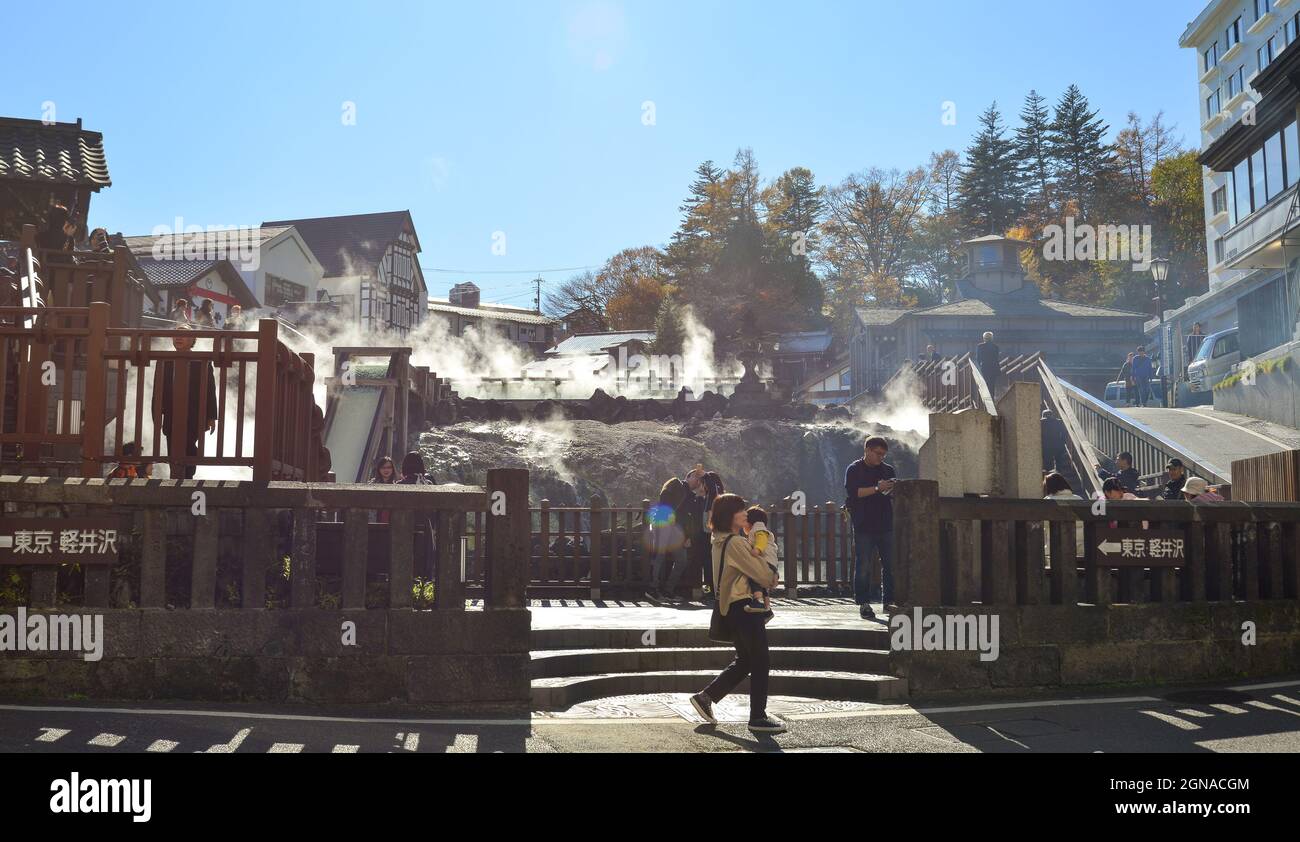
(868, 483)
(1143, 371)
(1054, 440)
(989, 359)
(734, 565)
(1177, 480)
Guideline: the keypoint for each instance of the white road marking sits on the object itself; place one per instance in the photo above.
(285, 748)
(52, 735)
(1271, 441)
(233, 745)
(345, 749)
(1197, 714)
(1173, 720)
(107, 740)
(1230, 709)
(1266, 706)
(1287, 699)
(410, 742)
(1277, 685)
(464, 744)
(162, 746)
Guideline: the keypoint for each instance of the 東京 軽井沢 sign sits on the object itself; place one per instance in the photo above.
(40, 541)
(1141, 548)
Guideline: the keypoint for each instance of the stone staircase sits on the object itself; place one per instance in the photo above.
(575, 665)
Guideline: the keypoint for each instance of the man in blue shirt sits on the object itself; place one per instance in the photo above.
(868, 483)
(1142, 374)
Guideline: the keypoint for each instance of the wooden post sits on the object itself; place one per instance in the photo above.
(1274, 578)
(203, 574)
(597, 524)
(449, 584)
(356, 526)
(401, 558)
(1220, 563)
(916, 544)
(1096, 578)
(997, 559)
(96, 397)
(1065, 584)
(791, 557)
(268, 343)
(1250, 561)
(1193, 580)
(505, 573)
(302, 559)
(1291, 557)
(544, 563)
(153, 561)
(1029, 562)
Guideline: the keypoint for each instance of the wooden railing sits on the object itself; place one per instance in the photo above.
(81, 391)
(1027, 552)
(264, 546)
(567, 556)
(78, 279)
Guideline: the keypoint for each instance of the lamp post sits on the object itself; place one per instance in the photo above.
(1160, 274)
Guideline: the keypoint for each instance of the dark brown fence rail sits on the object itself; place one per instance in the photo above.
(76, 415)
(258, 546)
(617, 557)
(1027, 552)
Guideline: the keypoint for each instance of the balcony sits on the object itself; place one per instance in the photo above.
(1258, 242)
(1237, 49)
(1264, 22)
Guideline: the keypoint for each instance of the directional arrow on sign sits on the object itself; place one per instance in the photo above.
(1111, 547)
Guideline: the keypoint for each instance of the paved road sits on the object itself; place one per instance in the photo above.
(1215, 438)
(1250, 719)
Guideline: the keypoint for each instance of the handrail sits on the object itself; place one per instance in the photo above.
(1113, 432)
(1077, 445)
(980, 393)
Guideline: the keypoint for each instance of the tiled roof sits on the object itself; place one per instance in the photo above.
(61, 153)
(208, 242)
(1021, 306)
(490, 312)
(881, 316)
(595, 343)
(350, 245)
(807, 342)
(171, 274)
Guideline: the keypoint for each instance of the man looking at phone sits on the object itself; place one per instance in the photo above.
(869, 482)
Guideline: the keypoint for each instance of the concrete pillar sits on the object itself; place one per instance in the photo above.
(916, 543)
(1022, 441)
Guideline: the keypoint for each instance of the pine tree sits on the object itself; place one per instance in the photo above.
(1086, 168)
(989, 188)
(1033, 157)
(670, 333)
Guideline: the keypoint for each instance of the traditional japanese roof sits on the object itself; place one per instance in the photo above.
(57, 153)
(595, 343)
(351, 245)
(491, 312)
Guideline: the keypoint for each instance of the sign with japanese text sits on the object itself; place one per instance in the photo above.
(1141, 548)
(48, 541)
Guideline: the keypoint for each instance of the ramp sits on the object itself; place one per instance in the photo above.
(351, 427)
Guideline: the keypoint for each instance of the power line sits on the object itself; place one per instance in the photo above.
(510, 272)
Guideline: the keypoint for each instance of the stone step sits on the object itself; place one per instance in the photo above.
(557, 694)
(867, 638)
(582, 662)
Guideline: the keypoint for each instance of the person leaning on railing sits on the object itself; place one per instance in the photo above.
(165, 404)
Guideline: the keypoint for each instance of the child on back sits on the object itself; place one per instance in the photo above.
(762, 543)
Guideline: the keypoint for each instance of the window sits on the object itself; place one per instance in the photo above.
(1274, 48)
(1276, 180)
(1213, 104)
(1233, 34)
(1258, 180)
(279, 291)
(1241, 190)
(1292, 143)
(1262, 57)
(1218, 251)
(1236, 82)
(1212, 57)
(1262, 7)
(1289, 31)
(1219, 201)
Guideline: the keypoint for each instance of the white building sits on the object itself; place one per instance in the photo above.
(1246, 58)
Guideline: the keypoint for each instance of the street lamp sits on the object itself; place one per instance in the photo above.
(1160, 274)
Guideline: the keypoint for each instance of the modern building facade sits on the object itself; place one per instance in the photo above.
(1246, 60)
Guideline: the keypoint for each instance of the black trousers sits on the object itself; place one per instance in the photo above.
(191, 449)
(752, 659)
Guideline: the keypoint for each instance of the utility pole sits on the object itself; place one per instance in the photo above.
(537, 304)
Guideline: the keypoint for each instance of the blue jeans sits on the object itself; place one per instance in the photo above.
(865, 544)
(1143, 390)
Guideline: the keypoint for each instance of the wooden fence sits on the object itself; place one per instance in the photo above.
(1269, 478)
(1026, 552)
(568, 557)
(69, 382)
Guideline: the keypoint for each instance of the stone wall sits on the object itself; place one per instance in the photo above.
(437, 661)
(1276, 394)
(1053, 648)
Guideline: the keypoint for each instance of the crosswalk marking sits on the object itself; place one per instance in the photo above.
(1197, 714)
(286, 748)
(345, 749)
(1266, 706)
(162, 746)
(52, 735)
(106, 740)
(1230, 709)
(233, 745)
(1173, 720)
(410, 742)
(1287, 699)
(464, 744)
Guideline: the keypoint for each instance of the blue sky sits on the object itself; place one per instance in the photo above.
(527, 117)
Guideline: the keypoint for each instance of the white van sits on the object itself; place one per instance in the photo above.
(1219, 353)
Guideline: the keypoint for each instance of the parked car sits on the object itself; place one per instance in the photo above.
(1117, 394)
(1214, 361)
